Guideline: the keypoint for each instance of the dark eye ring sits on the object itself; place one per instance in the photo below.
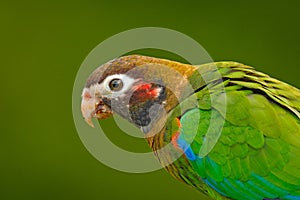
(115, 84)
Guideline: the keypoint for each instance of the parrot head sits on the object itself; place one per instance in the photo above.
(135, 87)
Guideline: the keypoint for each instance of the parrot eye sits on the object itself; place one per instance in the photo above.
(115, 84)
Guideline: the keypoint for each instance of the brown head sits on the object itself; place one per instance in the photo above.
(136, 87)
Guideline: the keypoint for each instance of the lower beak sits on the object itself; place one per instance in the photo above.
(92, 108)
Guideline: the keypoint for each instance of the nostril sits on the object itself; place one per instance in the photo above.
(87, 95)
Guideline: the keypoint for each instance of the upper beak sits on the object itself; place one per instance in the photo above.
(94, 107)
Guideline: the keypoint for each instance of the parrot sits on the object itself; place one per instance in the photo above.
(256, 155)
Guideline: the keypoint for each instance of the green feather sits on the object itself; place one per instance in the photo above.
(261, 134)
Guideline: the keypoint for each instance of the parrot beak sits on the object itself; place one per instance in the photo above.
(93, 107)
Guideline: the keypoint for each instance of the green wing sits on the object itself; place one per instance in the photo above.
(257, 154)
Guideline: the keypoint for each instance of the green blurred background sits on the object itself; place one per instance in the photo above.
(42, 46)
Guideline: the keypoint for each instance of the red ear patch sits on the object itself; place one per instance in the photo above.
(144, 87)
(146, 91)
